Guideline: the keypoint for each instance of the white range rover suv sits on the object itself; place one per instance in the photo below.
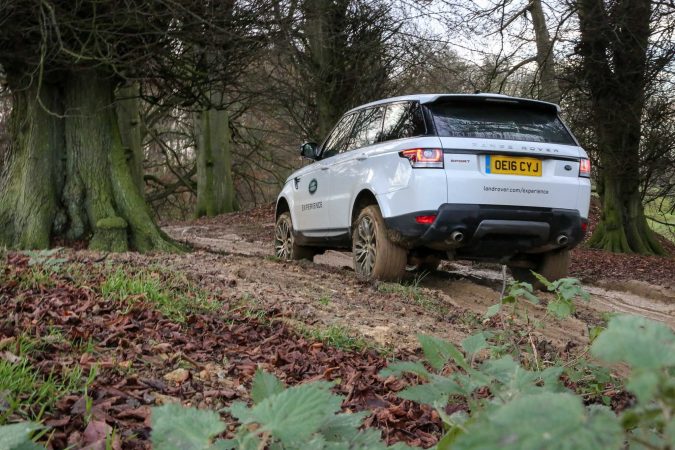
(408, 181)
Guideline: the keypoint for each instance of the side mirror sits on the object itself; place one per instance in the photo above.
(308, 150)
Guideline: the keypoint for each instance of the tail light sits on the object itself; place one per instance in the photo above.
(424, 157)
(585, 168)
(426, 220)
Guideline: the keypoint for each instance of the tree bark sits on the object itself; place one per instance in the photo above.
(31, 181)
(99, 196)
(550, 89)
(614, 51)
(319, 30)
(215, 186)
(129, 119)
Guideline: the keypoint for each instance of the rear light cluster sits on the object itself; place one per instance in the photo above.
(585, 168)
(424, 157)
(426, 220)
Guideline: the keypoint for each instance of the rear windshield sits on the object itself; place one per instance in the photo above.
(499, 121)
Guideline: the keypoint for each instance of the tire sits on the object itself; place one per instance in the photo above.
(375, 256)
(285, 247)
(428, 264)
(552, 266)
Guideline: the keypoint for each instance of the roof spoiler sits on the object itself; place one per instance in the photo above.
(495, 99)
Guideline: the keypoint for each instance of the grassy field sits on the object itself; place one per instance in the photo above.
(662, 211)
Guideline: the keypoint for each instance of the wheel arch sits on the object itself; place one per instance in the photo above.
(282, 207)
(364, 198)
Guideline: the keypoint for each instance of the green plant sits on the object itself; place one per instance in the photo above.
(17, 436)
(46, 259)
(300, 417)
(531, 409)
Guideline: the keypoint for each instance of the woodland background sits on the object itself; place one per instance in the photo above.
(206, 102)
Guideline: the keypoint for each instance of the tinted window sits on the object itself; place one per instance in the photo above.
(495, 121)
(367, 128)
(337, 141)
(403, 120)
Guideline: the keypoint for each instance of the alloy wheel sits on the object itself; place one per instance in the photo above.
(365, 249)
(283, 240)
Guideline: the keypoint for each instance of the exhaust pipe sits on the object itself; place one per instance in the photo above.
(561, 240)
(457, 236)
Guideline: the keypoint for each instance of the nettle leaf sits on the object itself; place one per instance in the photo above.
(438, 390)
(514, 379)
(569, 288)
(265, 385)
(542, 280)
(296, 413)
(175, 427)
(640, 342)
(551, 378)
(644, 384)
(476, 342)
(670, 433)
(493, 310)
(18, 435)
(645, 439)
(560, 308)
(342, 427)
(398, 368)
(522, 289)
(240, 411)
(438, 352)
(544, 421)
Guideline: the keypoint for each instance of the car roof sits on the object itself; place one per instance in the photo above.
(430, 98)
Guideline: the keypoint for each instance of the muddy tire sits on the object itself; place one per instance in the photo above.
(285, 247)
(428, 264)
(552, 266)
(375, 256)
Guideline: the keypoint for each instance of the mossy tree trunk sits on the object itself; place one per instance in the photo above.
(129, 120)
(31, 179)
(215, 186)
(98, 195)
(614, 50)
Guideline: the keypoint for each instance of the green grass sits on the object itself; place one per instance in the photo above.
(28, 393)
(660, 210)
(324, 300)
(411, 291)
(336, 336)
(172, 294)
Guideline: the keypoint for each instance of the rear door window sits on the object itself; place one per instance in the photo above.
(337, 140)
(367, 129)
(499, 121)
(403, 120)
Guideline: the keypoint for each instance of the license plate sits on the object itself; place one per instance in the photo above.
(512, 165)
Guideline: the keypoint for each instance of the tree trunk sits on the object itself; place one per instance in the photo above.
(30, 181)
(129, 119)
(321, 46)
(614, 51)
(99, 196)
(215, 187)
(550, 89)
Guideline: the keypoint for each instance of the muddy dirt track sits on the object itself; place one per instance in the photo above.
(448, 303)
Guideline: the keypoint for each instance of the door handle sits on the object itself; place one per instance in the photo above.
(362, 157)
(324, 167)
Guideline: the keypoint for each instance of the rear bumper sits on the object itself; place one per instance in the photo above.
(489, 231)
